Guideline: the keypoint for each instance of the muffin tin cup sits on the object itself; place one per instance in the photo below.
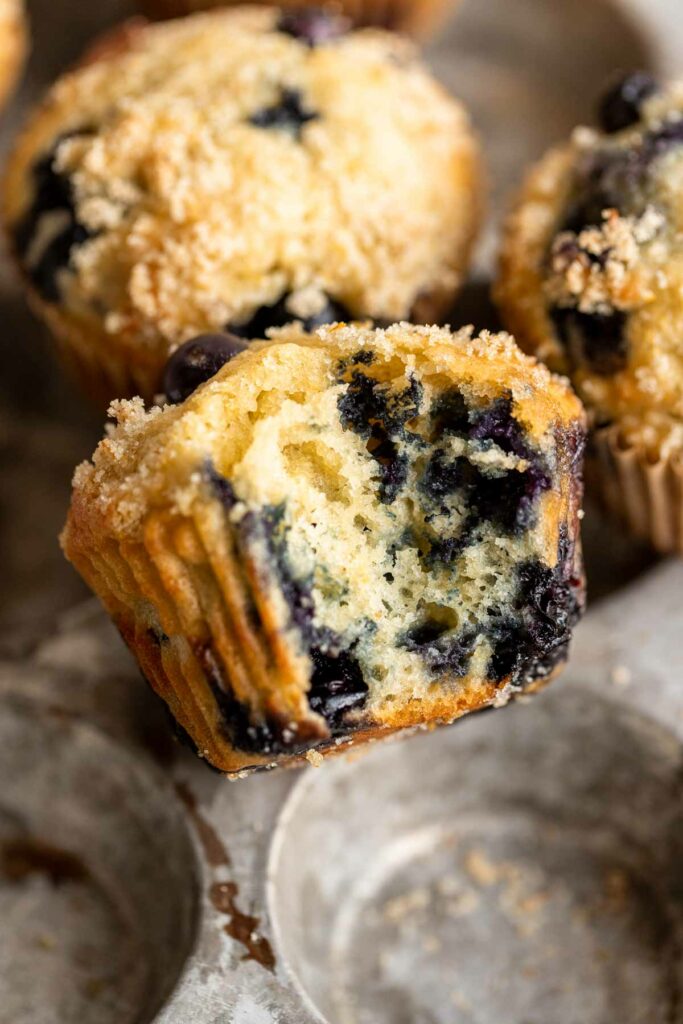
(519, 867)
(524, 861)
(99, 880)
(646, 495)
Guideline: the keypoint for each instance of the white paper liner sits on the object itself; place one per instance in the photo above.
(647, 495)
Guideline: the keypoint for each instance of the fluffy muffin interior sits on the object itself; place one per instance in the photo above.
(409, 523)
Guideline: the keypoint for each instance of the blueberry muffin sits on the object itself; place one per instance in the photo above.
(339, 535)
(591, 281)
(12, 44)
(415, 17)
(233, 170)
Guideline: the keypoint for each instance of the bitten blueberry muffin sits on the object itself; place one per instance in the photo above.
(12, 44)
(238, 170)
(339, 535)
(591, 281)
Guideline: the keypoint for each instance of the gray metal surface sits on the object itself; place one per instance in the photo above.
(522, 867)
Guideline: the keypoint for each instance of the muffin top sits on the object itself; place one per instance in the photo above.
(198, 171)
(592, 263)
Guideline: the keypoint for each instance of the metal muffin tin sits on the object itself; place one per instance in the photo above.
(524, 866)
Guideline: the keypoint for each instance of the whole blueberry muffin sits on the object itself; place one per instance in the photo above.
(415, 17)
(339, 535)
(13, 40)
(231, 170)
(591, 281)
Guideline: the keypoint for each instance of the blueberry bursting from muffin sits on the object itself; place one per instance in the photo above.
(338, 534)
(609, 179)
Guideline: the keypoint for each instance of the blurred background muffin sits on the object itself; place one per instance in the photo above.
(231, 171)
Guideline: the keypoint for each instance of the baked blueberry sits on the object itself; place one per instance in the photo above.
(289, 114)
(196, 361)
(312, 25)
(284, 311)
(621, 105)
(597, 340)
(339, 535)
(49, 231)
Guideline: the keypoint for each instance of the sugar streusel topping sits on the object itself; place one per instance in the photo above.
(218, 163)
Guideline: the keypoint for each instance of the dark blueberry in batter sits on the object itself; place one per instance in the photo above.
(312, 25)
(379, 416)
(550, 605)
(53, 195)
(529, 644)
(509, 500)
(393, 468)
(597, 339)
(56, 257)
(443, 477)
(510, 651)
(220, 485)
(604, 182)
(445, 550)
(613, 179)
(289, 114)
(255, 737)
(441, 650)
(364, 357)
(506, 499)
(337, 687)
(278, 315)
(449, 415)
(267, 527)
(196, 361)
(497, 424)
(366, 404)
(620, 106)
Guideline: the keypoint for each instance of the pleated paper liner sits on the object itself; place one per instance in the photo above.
(647, 495)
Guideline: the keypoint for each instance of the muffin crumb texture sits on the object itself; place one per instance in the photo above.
(339, 535)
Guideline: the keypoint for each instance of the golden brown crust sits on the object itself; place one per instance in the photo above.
(191, 581)
(157, 268)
